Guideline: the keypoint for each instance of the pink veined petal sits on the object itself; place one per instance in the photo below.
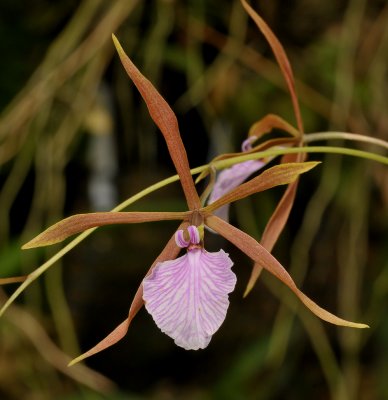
(180, 240)
(188, 297)
(230, 178)
(194, 234)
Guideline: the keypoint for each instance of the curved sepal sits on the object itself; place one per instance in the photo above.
(171, 250)
(260, 255)
(166, 121)
(281, 58)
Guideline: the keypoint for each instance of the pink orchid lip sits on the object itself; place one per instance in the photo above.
(188, 297)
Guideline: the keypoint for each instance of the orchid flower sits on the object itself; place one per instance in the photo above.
(188, 296)
(238, 173)
(229, 178)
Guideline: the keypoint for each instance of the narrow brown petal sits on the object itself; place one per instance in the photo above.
(166, 120)
(273, 230)
(261, 256)
(170, 252)
(81, 222)
(117, 334)
(270, 122)
(281, 58)
(281, 174)
(277, 221)
(280, 215)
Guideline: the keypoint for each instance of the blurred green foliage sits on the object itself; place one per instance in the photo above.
(62, 89)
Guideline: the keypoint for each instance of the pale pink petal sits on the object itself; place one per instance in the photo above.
(180, 239)
(188, 297)
(195, 237)
(230, 178)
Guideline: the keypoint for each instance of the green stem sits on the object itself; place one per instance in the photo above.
(313, 137)
(221, 164)
(293, 150)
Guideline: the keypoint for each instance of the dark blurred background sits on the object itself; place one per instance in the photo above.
(75, 137)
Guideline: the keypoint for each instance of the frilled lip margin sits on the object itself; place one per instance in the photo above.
(188, 297)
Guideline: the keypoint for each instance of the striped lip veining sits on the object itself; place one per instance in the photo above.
(188, 297)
